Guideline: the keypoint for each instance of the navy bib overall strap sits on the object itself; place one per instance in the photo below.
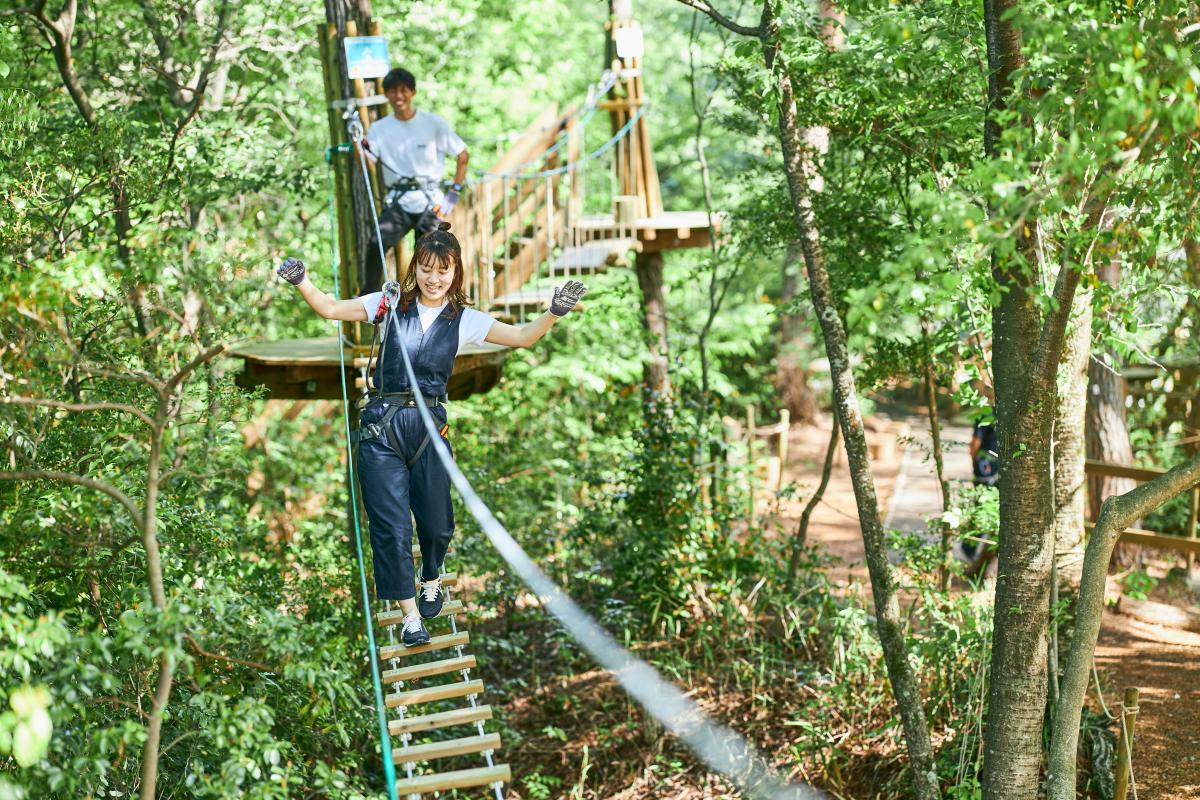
(400, 478)
(432, 352)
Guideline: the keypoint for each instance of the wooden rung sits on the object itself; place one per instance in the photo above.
(391, 651)
(396, 616)
(450, 747)
(449, 580)
(414, 671)
(428, 694)
(443, 719)
(458, 779)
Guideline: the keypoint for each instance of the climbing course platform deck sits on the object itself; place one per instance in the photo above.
(307, 369)
(668, 230)
(436, 720)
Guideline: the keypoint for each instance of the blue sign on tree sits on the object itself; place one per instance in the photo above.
(366, 56)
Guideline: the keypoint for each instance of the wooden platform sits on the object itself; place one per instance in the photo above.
(307, 369)
(666, 231)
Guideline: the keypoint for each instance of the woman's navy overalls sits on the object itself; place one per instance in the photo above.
(402, 477)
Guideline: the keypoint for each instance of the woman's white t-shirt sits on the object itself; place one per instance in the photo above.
(473, 329)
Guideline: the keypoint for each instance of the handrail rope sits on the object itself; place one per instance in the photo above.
(607, 80)
(488, 177)
(572, 166)
(389, 768)
(721, 748)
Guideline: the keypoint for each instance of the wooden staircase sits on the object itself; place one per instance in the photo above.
(428, 678)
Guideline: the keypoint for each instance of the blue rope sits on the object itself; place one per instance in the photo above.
(385, 743)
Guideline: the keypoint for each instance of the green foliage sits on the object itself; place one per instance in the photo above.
(1138, 584)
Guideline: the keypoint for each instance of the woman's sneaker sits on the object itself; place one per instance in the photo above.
(414, 632)
(430, 598)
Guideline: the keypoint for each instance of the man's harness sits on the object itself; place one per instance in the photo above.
(393, 401)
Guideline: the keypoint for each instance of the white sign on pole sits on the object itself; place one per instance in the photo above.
(629, 43)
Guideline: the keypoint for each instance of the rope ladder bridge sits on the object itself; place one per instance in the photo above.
(561, 201)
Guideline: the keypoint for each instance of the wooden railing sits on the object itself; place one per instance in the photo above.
(1188, 544)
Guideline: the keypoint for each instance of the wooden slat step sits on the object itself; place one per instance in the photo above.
(388, 652)
(595, 255)
(414, 671)
(428, 694)
(443, 719)
(526, 298)
(396, 616)
(446, 749)
(459, 779)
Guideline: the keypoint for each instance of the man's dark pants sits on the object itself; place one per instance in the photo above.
(394, 224)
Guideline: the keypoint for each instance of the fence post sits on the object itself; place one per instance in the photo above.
(1193, 513)
(1129, 711)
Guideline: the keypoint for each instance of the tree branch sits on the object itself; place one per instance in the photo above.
(78, 480)
(722, 20)
(43, 403)
(203, 358)
(60, 30)
(228, 659)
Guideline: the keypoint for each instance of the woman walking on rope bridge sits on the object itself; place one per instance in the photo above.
(401, 477)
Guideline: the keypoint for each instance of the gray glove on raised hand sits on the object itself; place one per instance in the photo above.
(565, 297)
(292, 271)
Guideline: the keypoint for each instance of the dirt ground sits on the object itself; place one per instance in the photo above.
(1164, 663)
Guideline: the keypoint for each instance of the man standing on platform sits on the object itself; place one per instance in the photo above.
(412, 146)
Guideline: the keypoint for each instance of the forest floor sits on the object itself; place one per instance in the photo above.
(578, 729)
(1163, 662)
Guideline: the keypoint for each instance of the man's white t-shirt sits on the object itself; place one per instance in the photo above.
(472, 330)
(417, 148)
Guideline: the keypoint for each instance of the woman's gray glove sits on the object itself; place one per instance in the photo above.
(565, 297)
(292, 271)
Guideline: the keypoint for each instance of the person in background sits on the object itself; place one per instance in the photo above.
(412, 146)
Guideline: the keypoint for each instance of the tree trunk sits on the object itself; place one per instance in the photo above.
(166, 667)
(935, 434)
(1070, 448)
(800, 538)
(883, 582)
(1119, 512)
(649, 267)
(1107, 434)
(1017, 693)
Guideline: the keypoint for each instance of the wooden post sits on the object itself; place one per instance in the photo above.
(785, 429)
(1193, 514)
(649, 267)
(341, 164)
(751, 424)
(1129, 711)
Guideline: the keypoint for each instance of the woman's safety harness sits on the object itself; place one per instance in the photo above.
(392, 401)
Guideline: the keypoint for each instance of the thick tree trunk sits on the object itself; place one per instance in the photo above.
(1119, 512)
(883, 582)
(649, 267)
(1107, 434)
(1016, 700)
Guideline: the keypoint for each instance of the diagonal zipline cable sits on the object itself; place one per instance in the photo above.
(721, 748)
(385, 744)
